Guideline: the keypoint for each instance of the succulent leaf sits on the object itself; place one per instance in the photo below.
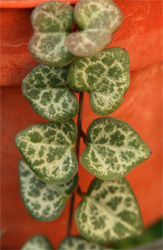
(105, 77)
(108, 212)
(36, 242)
(77, 242)
(47, 91)
(97, 21)
(113, 149)
(43, 201)
(48, 149)
(51, 22)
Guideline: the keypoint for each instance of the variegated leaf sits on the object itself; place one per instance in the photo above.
(108, 212)
(77, 242)
(113, 149)
(47, 91)
(51, 22)
(88, 42)
(97, 20)
(44, 202)
(105, 77)
(37, 242)
(48, 148)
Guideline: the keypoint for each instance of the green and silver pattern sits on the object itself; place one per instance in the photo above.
(51, 22)
(48, 149)
(77, 242)
(47, 90)
(105, 77)
(97, 21)
(38, 242)
(113, 149)
(108, 212)
(44, 202)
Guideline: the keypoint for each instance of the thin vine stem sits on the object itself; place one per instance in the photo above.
(77, 147)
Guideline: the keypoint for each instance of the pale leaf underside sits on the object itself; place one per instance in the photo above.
(48, 148)
(44, 202)
(47, 91)
(108, 212)
(77, 242)
(105, 77)
(51, 22)
(97, 20)
(37, 242)
(88, 42)
(113, 149)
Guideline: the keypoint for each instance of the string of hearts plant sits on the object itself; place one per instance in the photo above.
(109, 210)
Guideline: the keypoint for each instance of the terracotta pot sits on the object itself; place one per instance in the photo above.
(140, 34)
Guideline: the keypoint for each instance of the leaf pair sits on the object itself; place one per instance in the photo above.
(97, 21)
(104, 76)
(52, 22)
(113, 149)
(108, 212)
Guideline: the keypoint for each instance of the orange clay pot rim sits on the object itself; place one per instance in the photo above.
(22, 4)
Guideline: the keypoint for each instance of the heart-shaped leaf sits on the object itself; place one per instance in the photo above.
(48, 148)
(77, 242)
(105, 77)
(47, 91)
(113, 149)
(51, 22)
(108, 212)
(44, 202)
(38, 242)
(88, 42)
(97, 20)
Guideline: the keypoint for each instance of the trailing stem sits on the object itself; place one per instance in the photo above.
(77, 147)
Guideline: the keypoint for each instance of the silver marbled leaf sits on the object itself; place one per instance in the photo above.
(43, 201)
(48, 148)
(77, 242)
(51, 21)
(97, 21)
(47, 91)
(108, 212)
(38, 242)
(113, 149)
(105, 77)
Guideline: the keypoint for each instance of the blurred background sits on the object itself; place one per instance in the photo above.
(141, 34)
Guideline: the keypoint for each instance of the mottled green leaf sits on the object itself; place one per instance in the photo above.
(113, 148)
(51, 22)
(48, 148)
(37, 242)
(43, 201)
(47, 91)
(108, 212)
(97, 20)
(77, 242)
(105, 77)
